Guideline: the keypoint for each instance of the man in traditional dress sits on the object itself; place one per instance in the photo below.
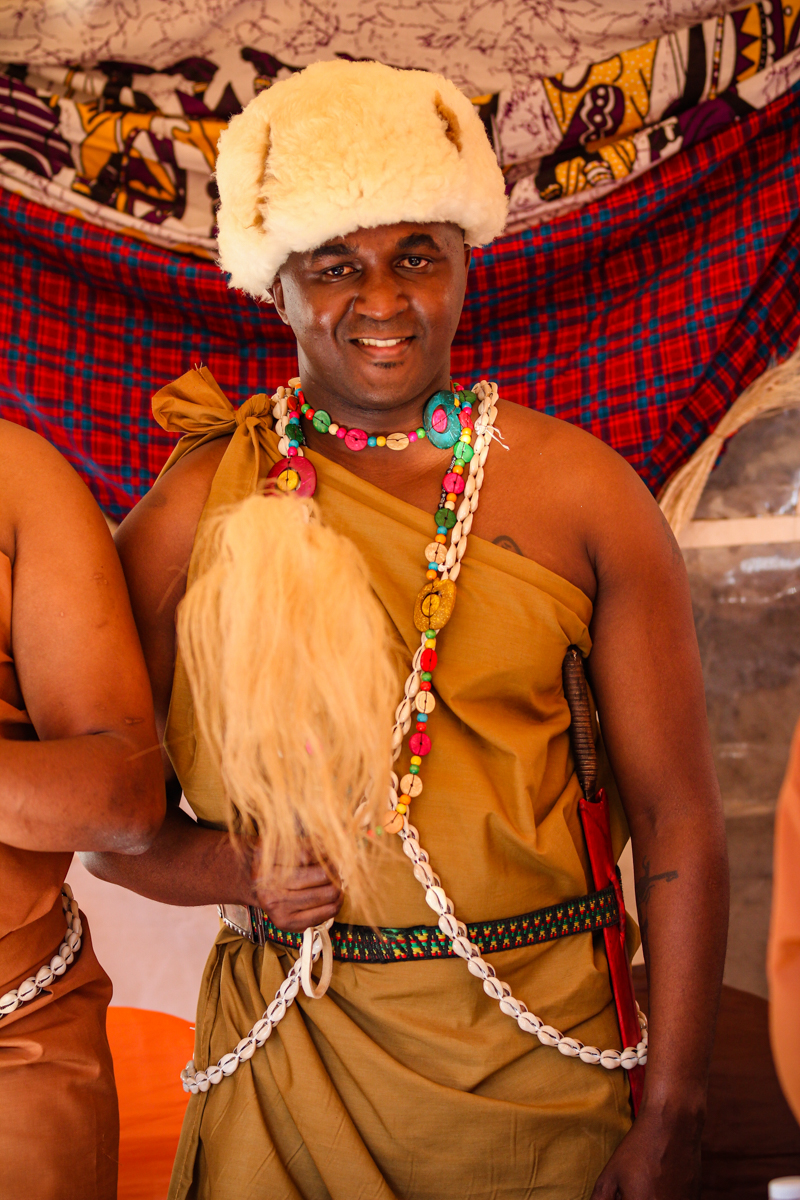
(350, 195)
(80, 770)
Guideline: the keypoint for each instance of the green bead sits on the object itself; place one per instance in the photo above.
(294, 432)
(430, 633)
(426, 676)
(446, 516)
(321, 420)
(462, 451)
(413, 770)
(421, 433)
(469, 398)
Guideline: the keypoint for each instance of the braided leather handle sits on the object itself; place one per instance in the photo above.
(580, 732)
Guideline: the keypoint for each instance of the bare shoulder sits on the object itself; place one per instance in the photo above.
(561, 445)
(575, 503)
(39, 487)
(164, 522)
(27, 460)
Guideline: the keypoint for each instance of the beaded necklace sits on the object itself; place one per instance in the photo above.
(433, 608)
(444, 415)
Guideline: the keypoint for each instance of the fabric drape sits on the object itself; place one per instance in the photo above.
(405, 1080)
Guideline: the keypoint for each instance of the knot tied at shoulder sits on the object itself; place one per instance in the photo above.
(196, 406)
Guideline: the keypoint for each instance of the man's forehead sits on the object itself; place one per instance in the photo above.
(403, 237)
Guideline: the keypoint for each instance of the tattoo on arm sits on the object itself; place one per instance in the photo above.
(645, 884)
(507, 543)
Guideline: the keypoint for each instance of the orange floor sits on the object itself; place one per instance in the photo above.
(150, 1050)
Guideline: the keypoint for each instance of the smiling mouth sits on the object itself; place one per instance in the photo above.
(382, 342)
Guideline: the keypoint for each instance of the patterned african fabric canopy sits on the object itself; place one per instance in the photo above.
(640, 316)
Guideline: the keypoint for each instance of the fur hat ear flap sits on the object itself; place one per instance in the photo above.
(242, 175)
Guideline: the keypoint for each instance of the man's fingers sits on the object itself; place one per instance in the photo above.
(302, 899)
(316, 897)
(296, 922)
(307, 877)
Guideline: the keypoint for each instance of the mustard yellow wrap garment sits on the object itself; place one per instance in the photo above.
(405, 1080)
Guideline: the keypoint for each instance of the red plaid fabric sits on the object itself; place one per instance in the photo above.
(641, 317)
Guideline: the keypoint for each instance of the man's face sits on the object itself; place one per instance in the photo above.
(375, 312)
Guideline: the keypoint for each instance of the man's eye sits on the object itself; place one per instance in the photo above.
(339, 271)
(413, 260)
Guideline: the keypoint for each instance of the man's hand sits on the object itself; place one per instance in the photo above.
(302, 896)
(659, 1159)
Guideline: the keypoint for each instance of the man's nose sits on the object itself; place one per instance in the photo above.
(380, 296)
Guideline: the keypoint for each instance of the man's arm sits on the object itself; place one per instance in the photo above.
(647, 679)
(187, 863)
(93, 779)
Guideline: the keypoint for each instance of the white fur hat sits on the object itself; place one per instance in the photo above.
(342, 146)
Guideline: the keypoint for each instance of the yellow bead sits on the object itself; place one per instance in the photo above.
(380, 441)
(430, 644)
(402, 808)
(416, 761)
(288, 480)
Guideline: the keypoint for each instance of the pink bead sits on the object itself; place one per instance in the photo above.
(341, 432)
(412, 436)
(453, 483)
(292, 451)
(419, 744)
(355, 439)
(465, 418)
(439, 419)
(304, 471)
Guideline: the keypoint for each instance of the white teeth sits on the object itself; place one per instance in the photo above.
(380, 341)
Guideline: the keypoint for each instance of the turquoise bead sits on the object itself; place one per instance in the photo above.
(422, 718)
(372, 441)
(440, 420)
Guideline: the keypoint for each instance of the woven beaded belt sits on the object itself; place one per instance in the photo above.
(361, 943)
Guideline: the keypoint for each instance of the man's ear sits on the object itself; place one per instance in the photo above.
(467, 257)
(276, 292)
